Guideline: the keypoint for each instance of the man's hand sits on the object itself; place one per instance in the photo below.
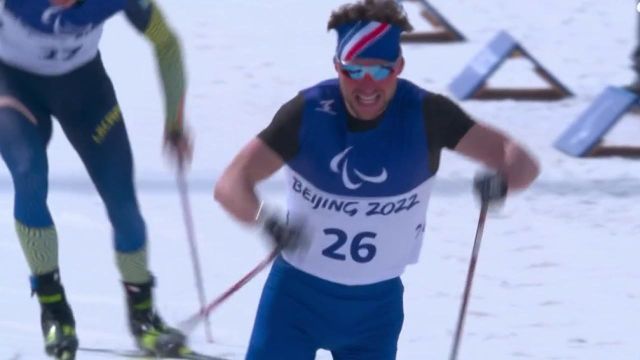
(179, 146)
(285, 235)
(490, 187)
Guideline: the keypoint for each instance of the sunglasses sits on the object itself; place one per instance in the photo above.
(358, 72)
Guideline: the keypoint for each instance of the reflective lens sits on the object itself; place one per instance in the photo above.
(358, 72)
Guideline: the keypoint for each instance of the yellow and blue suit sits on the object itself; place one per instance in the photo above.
(50, 67)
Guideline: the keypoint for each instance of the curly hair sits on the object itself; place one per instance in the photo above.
(384, 11)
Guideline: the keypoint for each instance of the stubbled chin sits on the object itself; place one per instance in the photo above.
(368, 113)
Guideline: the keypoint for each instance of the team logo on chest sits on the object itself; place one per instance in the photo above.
(326, 106)
(53, 16)
(340, 165)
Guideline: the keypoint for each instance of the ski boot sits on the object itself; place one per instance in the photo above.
(151, 333)
(56, 318)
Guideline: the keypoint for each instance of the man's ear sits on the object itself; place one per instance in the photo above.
(400, 65)
(336, 65)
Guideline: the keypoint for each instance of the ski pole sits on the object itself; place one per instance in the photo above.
(467, 289)
(191, 322)
(188, 222)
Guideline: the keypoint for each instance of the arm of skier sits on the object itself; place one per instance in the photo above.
(259, 159)
(149, 20)
(500, 153)
(235, 190)
(451, 127)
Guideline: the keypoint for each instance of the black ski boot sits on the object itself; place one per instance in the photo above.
(56, 318)
(152, 335)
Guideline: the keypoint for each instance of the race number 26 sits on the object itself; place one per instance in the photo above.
(359, 251)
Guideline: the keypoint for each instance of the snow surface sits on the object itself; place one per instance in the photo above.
(557, 276)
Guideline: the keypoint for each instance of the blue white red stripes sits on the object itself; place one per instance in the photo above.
(359, 38)
(366, 39)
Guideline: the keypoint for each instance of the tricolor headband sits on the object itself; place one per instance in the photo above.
(368, 39)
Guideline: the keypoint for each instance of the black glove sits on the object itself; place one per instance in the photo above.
(179, 145)
(490, 187)
(285, 235)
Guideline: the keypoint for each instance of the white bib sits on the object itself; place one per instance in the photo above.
(356, 240)
(23, 47)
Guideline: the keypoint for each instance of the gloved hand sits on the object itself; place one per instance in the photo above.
(285, 235)
(179, 145)
(490, 187)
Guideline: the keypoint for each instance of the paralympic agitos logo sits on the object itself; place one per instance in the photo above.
(340, 165)
(53, 16)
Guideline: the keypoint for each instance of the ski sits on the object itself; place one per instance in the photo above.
(139, 354)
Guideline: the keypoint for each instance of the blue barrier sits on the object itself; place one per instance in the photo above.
(471, 82)
(583, 136)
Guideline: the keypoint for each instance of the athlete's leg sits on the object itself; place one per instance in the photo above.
(379, 341)
(23, 139)
(91, 119)
(284, 322)
(24, 134)
(110, 166)
(375, 337)
(93, 123)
